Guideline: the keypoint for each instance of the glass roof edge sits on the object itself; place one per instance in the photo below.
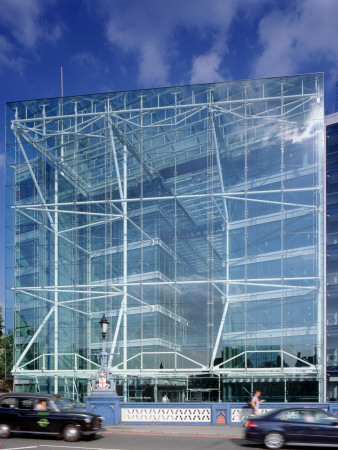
(67, 97)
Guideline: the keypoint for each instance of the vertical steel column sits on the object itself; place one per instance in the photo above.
(89, 281)
(56, 314)
(282, 341)
(175, 232)
(74, 238)
(227, 248)
(155, 390)
(124, 208)
(219, 388)
(323, 199)
(56, 261)
(56, 279)
(321, 205)
(246, 307)
(125, 270)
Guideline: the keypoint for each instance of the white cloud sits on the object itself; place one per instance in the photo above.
(153, 67)
(206, 68)
(23, 25)
(7, 58)
(24, 19)
(152, 31)
(87, 59)
(305, 33)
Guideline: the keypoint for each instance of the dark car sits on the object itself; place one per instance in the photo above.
(293, 426)
(48, 414)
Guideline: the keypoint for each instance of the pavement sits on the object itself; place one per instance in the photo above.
(178, 430)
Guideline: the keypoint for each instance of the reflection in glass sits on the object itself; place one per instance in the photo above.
(192, 217)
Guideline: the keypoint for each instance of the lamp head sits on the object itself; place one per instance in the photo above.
(104, 326)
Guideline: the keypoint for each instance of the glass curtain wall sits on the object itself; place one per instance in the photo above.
(192, 217)
(331, 122)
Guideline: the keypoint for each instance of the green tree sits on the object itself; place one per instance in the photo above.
(6, 354)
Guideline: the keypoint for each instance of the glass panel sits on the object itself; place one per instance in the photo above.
(192, 217)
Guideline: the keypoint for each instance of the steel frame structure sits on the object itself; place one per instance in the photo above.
(103, 167)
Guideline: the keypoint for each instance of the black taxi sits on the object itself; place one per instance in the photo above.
(48, 414)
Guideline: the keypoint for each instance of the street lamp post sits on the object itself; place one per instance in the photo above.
(104, 327)
(103, 381)
(103, 399)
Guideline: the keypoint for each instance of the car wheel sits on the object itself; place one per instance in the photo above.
(274, 440)
(71, 433)
(5, 431)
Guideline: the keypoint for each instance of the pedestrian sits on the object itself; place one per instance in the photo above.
(165, 398)
(255, 402)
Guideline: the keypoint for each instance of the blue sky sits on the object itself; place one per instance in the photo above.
(108, 45)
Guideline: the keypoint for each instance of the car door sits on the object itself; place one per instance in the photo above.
(27, 414)
(297, 425)
(46, 419)
(9, 412)
(31, 418)
(324, 429)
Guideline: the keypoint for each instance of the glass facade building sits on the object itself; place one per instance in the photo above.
(193, 217)
(331, 123)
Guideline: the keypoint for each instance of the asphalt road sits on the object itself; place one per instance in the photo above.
(124, 441)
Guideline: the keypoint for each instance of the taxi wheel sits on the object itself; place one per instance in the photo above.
(71, 433)
(5, 431)
(274, 440)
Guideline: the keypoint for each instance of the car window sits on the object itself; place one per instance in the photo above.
(8, 402)
(25, 403)
(296, 415)
(323, 417)
(43, 404)
(64, 403)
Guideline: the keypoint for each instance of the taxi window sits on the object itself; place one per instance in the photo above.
(43, 404)
(25, 403)
(8, 402)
